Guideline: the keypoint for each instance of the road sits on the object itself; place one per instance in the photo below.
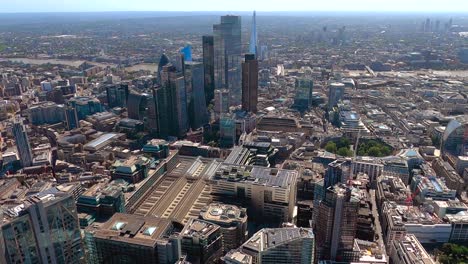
(378, 227)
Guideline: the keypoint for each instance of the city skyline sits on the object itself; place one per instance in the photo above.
(456, 6)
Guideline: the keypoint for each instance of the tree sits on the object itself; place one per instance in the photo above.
(374, 152)
(346, 152)
(331, 147)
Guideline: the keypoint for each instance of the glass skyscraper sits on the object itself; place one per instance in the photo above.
(250, 83)
(43, 229)
(208, 67)
(194, 86)
(303, 97)
(22, 144)
(227, 56)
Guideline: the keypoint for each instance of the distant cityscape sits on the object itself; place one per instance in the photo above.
(237, 139)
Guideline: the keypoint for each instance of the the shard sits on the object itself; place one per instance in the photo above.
(253, 48)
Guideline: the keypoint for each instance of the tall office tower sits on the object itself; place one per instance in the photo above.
(335, 94)
(128, 238)
(250, 83)
(194, 86)
(163, 61)
(71, 118)
(187, 52)
(336, 224)
(117, 95)
(221, 105)
(201, 242)
(137, 107)
(42, 229)
(337, 171)
(227, 56)
(208, 67)
(253, 46)
(276, 245)
(303, 97)
(231, 219)
(173, 102)
(22, 144)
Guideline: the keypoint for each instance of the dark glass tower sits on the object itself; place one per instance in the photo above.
(250, 83)
(303, 97)
(227, 56)
(194, 86)
(22, 144)
(208, 66)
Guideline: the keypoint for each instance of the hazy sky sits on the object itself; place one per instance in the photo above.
(232, 5)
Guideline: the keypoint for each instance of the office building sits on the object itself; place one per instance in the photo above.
(222, 102)
(392, 189)
(46, 86)
(336, 172)
(335, 94)
(303, 96)
(253, 45)
(336, 224)
(187, 53)
(42, 229)
(396, 166)
(208, 67)
(431, 188)
(368, 165)
(270, 193)
(227, 56)
(22, 144)
(201, 242)
(398, 220)
(231, 219)
(250, 83)
(227, 132)
(85, 106)
(172, 103)
(102, 200)
(132, 170)
(137, 105)
(195, 89)
(46, 113)
(276, 245)
(163, 61)
(455, 138)
(71, 118)
(117, 95)
(408, 250)
(127, 238)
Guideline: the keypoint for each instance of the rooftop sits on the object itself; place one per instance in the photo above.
(272, 237)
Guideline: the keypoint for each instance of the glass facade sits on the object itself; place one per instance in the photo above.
(455, 138)
(227, 56)
(48, 232)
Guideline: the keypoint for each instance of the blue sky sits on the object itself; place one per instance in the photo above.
(232, 5)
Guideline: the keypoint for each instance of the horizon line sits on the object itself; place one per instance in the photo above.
(246, 11)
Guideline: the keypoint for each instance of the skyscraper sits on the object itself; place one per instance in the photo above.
(117, 95)
(208, 67)
(227, 56)
(336, 224)
(194, 85)
(253, 46)
(250, 83)
(172, 102)
(303, 97)
(187, 52)
(335, 94)
(22, 144)
(42, 229)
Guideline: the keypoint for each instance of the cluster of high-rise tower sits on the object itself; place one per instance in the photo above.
(185, 87)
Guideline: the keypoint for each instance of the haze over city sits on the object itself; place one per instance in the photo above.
(437, 6)
(236, 132)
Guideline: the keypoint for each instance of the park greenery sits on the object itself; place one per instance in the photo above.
(452, 253)
(373, 148)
